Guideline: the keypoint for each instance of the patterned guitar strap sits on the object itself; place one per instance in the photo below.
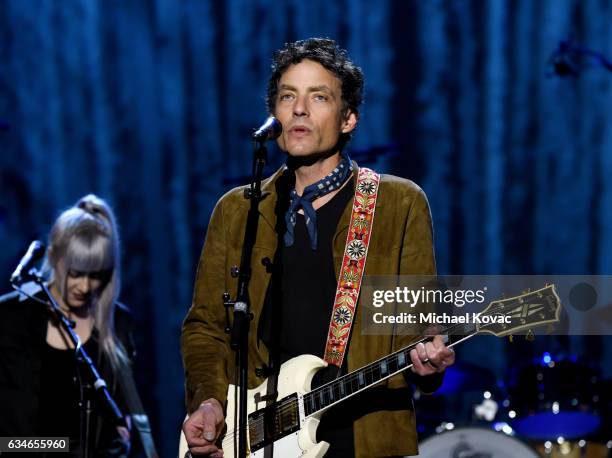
(353, 266)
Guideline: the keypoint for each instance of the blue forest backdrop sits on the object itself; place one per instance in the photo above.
(150, 105)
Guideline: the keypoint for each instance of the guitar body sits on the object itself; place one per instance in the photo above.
(295, 376)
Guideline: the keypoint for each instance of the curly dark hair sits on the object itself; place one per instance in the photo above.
(327, 53)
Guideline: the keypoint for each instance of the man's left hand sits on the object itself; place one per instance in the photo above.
(431, 357)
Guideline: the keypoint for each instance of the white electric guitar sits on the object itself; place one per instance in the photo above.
(290, 423)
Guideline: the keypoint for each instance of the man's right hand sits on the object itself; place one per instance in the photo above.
(203, 427)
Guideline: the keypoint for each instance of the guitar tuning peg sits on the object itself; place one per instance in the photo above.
(530, 337)
(511, 338)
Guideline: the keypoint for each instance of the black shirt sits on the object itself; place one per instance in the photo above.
(308, 288)
(59, 412)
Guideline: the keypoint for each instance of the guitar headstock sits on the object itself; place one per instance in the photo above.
(520, 313)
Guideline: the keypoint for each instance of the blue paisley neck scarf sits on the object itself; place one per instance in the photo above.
(330, 183)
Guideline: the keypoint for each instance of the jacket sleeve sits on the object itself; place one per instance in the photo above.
(204, 344)
(418, 258)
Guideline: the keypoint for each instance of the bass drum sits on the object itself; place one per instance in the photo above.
(474, 442)
(555, 399)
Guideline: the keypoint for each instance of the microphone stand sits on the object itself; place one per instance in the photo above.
(92, 374)
(242, 314)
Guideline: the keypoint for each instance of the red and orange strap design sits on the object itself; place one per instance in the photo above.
(353, 266)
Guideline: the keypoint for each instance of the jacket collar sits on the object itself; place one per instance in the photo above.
(345, 219)
(269, 197)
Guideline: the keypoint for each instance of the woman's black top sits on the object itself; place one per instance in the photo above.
(38, 392)
(59, 412)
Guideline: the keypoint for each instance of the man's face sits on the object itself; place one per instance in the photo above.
(309, 106)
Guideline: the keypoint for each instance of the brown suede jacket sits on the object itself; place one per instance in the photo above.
(401, 243)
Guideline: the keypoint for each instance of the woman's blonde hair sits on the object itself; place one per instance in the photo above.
(85, 238)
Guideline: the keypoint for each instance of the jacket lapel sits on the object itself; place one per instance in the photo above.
(345, 219)
(269, 198)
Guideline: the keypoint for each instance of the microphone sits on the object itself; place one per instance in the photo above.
(269, 130)
(36, 250)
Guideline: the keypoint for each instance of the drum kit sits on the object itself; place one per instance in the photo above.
(551, 407)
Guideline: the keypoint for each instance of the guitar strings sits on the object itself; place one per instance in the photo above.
(369, 369)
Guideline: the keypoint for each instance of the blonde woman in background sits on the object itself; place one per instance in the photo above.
(40, 383)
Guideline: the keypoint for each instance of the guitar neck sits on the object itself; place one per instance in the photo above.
(360, 380)
(525, 311)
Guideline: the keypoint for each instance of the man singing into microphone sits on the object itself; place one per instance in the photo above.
(315, 91)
